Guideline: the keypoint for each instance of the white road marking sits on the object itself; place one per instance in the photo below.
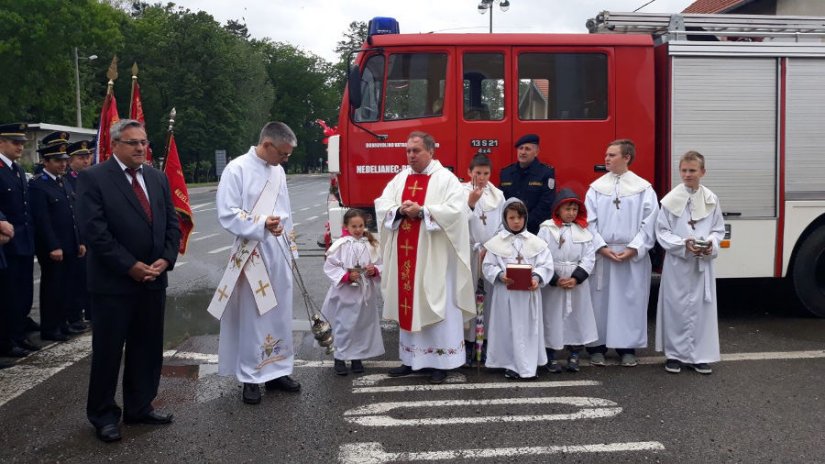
(180, 263)
(195, 233)
(204, 237)
(16, 380)
(296, 224)
(311, 218)
(218, 250)
(373, 453)
(325, 192)
(317, 205)
(374, 415)
(304, 209)
(201, 205)
(474, 386)
(205, 209)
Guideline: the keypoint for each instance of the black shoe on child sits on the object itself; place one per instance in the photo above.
(512, 375)
(438, 376)
(573, 363)
(340, 367)
(284, 383)
(673, 366)
(400, 371)
(553, 367)
(357, 366)
(251, 393)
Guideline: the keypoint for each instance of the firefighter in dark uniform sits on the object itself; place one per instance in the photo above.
(17, 279)
(531, 181)
(80, 158)
(57, 241)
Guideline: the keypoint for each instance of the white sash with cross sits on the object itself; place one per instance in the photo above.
(246, 258)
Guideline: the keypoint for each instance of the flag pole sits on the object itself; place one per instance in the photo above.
(132, 93)
(170, 131)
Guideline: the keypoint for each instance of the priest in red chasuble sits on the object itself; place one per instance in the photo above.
(427, 283)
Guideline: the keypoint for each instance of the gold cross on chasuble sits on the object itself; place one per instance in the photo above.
(262, 288)
(407, 249)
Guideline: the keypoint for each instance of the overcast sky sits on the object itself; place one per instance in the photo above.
(317, 25)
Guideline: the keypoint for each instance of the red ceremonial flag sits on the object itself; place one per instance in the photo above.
(180, 194)
(108, 116)
(137, 112)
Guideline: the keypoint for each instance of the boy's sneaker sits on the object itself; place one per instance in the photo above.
(511, 374)
(400, 371)
(673, 366)
(357, 366)
(553, 367)
(702, 368)
(597, 359)
(340, 367)
(629, 360)
(573, 363)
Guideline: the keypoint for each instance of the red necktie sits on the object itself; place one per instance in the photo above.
(141, 195)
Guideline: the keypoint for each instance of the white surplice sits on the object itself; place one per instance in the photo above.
(620, 291)
(256, 348)
(568, 313)
(485, 220)
(353, 309)
(686, 320)
(444, 291)
(515, 336)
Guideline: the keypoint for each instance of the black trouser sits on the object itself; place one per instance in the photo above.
(77, 295)
(54, 283)
(16, 292)
(136, 320)
(603, 349)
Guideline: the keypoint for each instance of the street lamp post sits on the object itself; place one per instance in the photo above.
(488, 5)
(77, 81)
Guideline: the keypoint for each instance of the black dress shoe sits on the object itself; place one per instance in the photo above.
(54, 336)
(75, 328)
(27, 345)
(32, 326)
(17, 352)
(340, 367)
(251, 393)
(5, 365)
(357, 366)
(400, 371)
(153, 418)
(284, 383)
(109, 433)
(438, 376)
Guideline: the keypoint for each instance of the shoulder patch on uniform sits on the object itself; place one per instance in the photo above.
(533, 183)
(44, 177)
(551, 183)
(506, 184)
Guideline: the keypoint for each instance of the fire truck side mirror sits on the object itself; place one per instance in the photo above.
(354, 87)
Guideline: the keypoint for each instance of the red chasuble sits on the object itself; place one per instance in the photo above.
(415, 189)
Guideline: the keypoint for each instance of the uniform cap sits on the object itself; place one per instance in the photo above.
(55, 138)
(82, 147)
(527, 138)
(16, 131)
(54, 151)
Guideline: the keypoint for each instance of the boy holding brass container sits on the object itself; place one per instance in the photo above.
(690, 228)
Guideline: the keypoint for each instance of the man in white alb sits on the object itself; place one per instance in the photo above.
(254, 298)
(621, 212)
(425, 244)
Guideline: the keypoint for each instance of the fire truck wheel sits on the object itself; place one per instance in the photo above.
(809, 272)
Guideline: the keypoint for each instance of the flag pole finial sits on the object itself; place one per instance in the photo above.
(134, 70)
(172, 115)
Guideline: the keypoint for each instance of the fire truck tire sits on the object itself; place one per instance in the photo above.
(809, 272)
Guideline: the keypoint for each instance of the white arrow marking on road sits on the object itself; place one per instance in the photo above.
(373, 379)
(201, 205)
(204, 237)
(373, 415)
(218, 250)
(476, 386)
(373, 453)
(205, 209)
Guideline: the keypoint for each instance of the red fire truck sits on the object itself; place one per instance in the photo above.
(746, 91)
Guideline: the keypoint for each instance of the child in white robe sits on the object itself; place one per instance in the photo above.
(516, 340)
(690, 228)
(351, 305)
(484, 201)
(568, 310)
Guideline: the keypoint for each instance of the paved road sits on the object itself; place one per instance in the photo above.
(764, 402)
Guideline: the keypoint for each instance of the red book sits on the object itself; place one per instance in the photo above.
(522, 275)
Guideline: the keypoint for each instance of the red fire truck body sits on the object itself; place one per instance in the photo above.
(753, 108)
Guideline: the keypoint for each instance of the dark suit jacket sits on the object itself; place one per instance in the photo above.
(14, 204)
(117, 232)
(54, 218)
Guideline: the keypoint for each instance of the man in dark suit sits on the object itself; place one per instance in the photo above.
(56, 240)
(80, 157)
(131, 232)
(16, 280)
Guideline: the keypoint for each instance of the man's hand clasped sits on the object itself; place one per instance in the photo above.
(624, 255)
(273, 225)
(410, 209)
(142, 272)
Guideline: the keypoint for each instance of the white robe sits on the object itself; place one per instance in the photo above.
(444, 291)
(620, 291)
(489, 205)
(515, 337)
(686, 320)
(256, 348)
(568, 314)
(353, 310)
